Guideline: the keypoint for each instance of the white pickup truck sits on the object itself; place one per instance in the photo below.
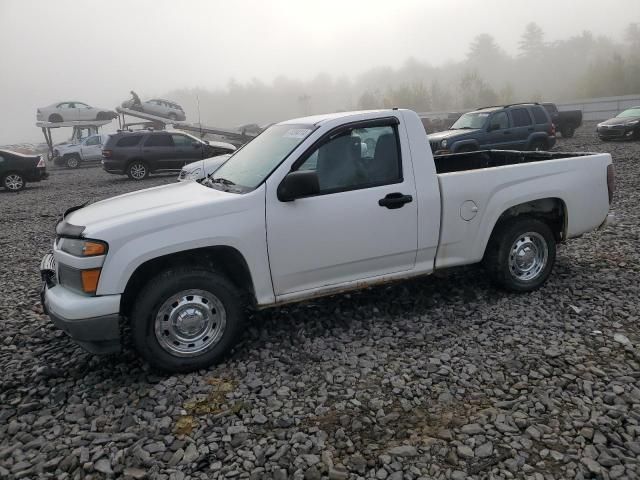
(306, 210)
(88, 150)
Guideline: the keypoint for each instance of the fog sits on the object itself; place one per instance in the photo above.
(256, 61)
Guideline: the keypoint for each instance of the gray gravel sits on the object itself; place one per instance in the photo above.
(442, 377)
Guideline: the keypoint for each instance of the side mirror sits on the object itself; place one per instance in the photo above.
(298, 184)
(196, 145)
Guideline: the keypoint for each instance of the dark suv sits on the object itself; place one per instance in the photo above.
(139, 153)
(524, 126)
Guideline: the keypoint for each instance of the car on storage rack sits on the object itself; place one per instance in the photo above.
(625, 125)
(74, 155)
(521, 126)
(16, 169)
(202, 168)
(158, 107)
(302, 211)
(73, 111)
(139, 153)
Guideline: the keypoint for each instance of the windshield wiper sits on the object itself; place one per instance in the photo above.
(221, 180)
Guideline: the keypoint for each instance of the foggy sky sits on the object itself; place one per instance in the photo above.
(95, 51)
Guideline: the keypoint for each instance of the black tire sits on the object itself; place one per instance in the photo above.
(137, 170)
(161, 289)
(103, 116)
(539, 145)
(500, 253)
(13, 181)
(568, 131)
(55, 118)
(72, 161)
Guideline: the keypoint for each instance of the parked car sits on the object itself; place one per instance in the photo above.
(298, 213)
(566, 121)
(137, 154)
(73, 155)
(624, 125)
(522, 126)
(16, 169)
(159, 108)
(73, 111)
(202, 168)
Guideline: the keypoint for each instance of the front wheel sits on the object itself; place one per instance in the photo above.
(186, 319)
(520, 254)
(137, 170)
(72, 161)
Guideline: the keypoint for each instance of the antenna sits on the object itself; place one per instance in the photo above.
(199, 119)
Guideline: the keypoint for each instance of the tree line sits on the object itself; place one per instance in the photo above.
(581, 66)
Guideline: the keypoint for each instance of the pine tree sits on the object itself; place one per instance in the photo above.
(531, 43)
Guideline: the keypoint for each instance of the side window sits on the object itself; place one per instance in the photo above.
(357, 158)
(161, 140)
(501, 120)
(182, 140)
(93, 141)
(539, 115)
(129, 141)
(520, 117)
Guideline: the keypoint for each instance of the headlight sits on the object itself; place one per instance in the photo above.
(194, 174)
(443, 144)
(631, 124)
(82, 248)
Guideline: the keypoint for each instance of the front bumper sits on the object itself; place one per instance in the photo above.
(618, 131)
(92, 322)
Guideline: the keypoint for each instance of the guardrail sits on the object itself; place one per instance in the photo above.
(601, 108)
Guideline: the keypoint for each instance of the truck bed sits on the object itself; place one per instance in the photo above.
(459, 162)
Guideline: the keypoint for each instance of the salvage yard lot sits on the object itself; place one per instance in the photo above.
(440, 377)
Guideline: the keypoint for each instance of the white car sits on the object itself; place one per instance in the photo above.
(158, 107)
(73, 111)
(202, 168)
(88, 150)
(298, 213)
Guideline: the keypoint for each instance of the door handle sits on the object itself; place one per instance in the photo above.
(395, 200)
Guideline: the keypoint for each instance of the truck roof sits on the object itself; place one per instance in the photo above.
(320, 119)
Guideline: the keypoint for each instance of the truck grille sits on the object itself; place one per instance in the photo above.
(434, 145)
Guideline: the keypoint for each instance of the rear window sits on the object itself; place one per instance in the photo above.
(163, 140)
(129, 141)
(539, 115)
(520, 117)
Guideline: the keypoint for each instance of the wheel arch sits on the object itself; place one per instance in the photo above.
(463, 144)
(550, 210)
(222, 258)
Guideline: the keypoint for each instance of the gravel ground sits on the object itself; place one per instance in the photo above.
(441, 377)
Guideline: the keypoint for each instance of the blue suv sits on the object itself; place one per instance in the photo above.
(522, 126)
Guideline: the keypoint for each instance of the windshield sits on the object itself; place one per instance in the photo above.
(250, 165)
(632, 112)
(471, 120)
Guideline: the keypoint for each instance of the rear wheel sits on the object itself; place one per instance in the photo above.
(568, 131)
(186, 319)
(520, 254)
(539, 145)
(72, 161)
(55, 118)
(13, 181)
(137, 170)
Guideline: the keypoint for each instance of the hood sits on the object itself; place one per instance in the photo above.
(619, 121)
(136, 212)
(462, 133)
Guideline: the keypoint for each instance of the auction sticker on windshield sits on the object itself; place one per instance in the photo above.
(296, 133)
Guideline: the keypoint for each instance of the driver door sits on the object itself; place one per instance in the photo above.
(500, 133)
(346, 233)
(92, 148)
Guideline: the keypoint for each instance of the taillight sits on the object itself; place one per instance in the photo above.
(611, 181)
(40, 162)
(107, 153)
(552, 132)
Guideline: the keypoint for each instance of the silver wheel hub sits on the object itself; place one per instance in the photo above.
(138, 171)
(13, 182)
(190, 323)
(528, 256)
